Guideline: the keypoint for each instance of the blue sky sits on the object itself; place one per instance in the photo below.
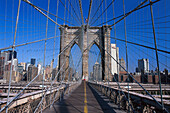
(32, 26)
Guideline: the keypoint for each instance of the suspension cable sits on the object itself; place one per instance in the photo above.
(168, 52)
(102, 13)
(97, 10)
(74, 11)
(81, 11)
(90, 5)
(27, 1)
(134, 79)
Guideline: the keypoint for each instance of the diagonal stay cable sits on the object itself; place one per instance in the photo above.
(168, 52)
(114, 78)
(137, 8)
(27, 43)
(51, 85)
(9, 86)
(134, 79)
(55, 15)
(17, 96)
(67, 82)
(118, 84)
(57, 92)
(127, 13)
(81, 12)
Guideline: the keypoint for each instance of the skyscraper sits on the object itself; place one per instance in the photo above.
(122, 63)
(5, 54)
(10, 54)
(39, 68)
(114, 66)
(2, 62)
(143, 65)
(27, 65)
(33, 61)
(97, 72)
(32, 72)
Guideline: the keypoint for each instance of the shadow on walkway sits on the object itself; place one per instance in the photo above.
(103, 101)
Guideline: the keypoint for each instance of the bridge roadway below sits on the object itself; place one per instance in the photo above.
(84, 99)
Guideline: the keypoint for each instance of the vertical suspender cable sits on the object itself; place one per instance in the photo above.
(64, 12)
(45, 54)
(55, 28)
(81, 11)
(89, 11)
(54, 47)
(68, 14)
(108, 77)
(126, 51)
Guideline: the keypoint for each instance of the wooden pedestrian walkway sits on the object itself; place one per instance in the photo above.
(84, 99)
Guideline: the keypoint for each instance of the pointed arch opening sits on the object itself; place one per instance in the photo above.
(94, 63)
(75, 63)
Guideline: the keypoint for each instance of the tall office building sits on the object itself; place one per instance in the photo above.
(97, 72)
(114, 66)
(2, 68)
(122, 63)
(32, 72)
(91, 76)
(143, 65)
(14, 63)
(33, 61)
(6, 57)
(27, 65)
(5, 54)
(10, 54)
(39, 68)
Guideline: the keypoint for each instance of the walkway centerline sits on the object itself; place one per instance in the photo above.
(85, 99)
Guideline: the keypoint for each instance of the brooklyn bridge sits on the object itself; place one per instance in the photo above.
(74, 56)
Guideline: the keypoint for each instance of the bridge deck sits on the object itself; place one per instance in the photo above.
(76, 102)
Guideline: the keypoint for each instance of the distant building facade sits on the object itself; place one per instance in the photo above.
(27, 65)
(32, 72)
(115, 55)
(10, 55)
(123, 64)
(97, 72)
(91, 76)
(20, 68)
(143, 65)
(2, 68)
(16, 76)
(5, 60)
(33, 61)
(24, 65)
(48, 74)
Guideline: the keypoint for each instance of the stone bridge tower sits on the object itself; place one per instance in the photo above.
(85, 37)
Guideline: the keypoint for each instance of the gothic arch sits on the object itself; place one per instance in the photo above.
(86, 35)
